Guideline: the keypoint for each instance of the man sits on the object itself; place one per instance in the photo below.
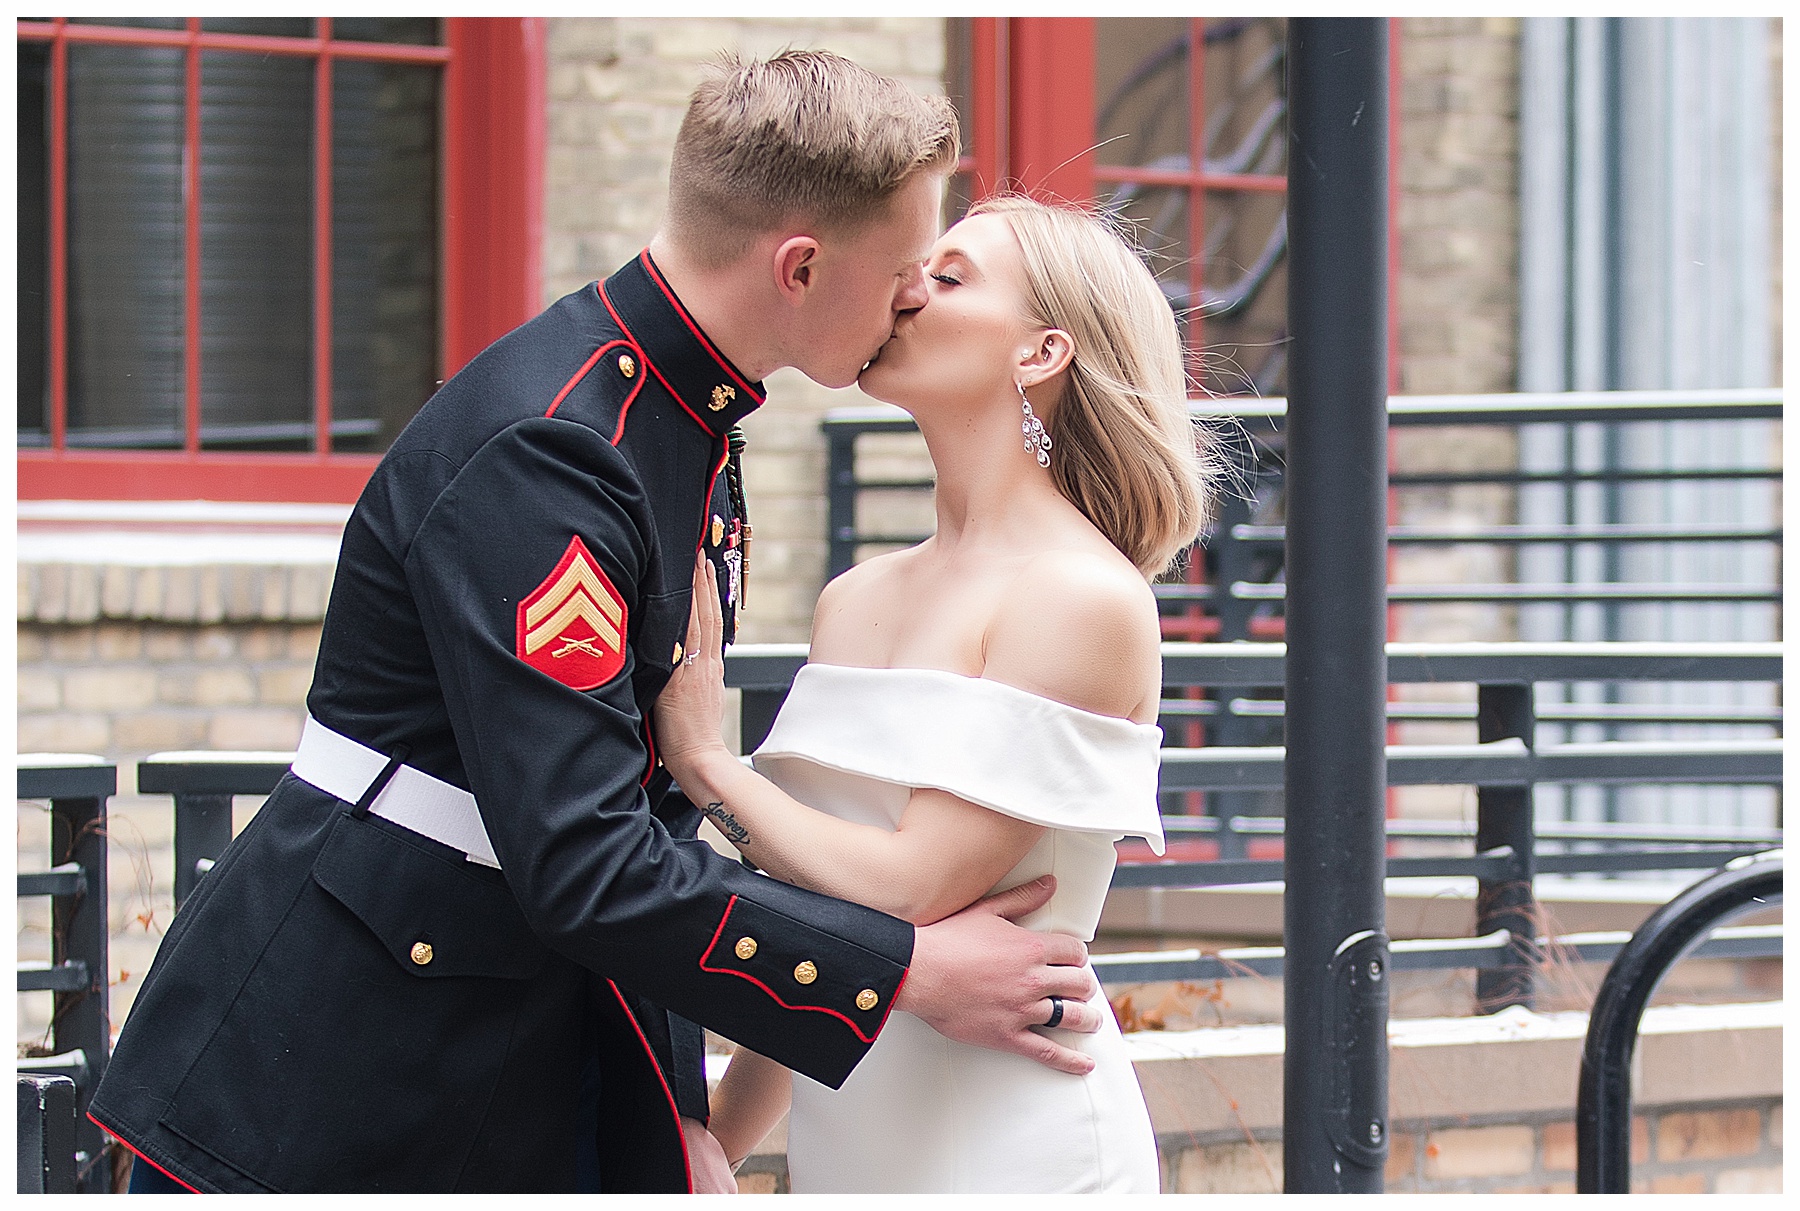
(469, 943)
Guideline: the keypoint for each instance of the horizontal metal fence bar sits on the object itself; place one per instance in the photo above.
(1608, 861)
(1549, 712)
(1416, 954)
(71, 975)
(883, 540)
(71, 1064)
(66, 776)
(65, 880)
(876, 485)
(1264, 664)
(1500, 763)
(1277, 535)
(1498, 866)
(771, 666)
(1513, 408)
(1716, 762)
(1244, 590)
(763, 666)
(1456, 830)
(204, 773)
(1437, 479)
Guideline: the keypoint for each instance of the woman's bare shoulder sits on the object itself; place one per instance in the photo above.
(846, 598)
(1081, 627)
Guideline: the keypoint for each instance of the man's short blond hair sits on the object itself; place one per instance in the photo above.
(807, 138)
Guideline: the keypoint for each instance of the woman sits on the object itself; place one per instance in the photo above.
(979, 709)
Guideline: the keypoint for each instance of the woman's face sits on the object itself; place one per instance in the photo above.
(966, 343)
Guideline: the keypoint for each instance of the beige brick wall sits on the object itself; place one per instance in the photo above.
(125, 689)
(618, 87)
(1456, 298)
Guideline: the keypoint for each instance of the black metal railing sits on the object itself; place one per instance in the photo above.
(1240, 594)
(1603, 1100)
(77, 787)
(1509, 847)
(202, 784)
(46, 1134)
(1504, 765)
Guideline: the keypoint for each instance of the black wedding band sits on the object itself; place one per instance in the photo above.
(1056, 1012)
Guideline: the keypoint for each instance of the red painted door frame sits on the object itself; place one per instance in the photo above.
(1050, 109)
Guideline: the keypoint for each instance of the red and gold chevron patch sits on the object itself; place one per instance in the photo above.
(572, 627)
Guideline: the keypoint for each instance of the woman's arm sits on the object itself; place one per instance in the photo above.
(751, 1098)
(946, 852)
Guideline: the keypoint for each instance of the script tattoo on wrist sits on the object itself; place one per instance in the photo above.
(734, 832)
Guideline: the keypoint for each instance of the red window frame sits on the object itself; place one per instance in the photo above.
(1031, 126)
(492, 166)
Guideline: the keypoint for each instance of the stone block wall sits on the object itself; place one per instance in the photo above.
(123, 661)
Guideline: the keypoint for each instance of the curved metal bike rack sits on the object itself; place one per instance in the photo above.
(1603, 1105)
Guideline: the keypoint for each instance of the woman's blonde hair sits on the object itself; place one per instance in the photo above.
(1127, 453)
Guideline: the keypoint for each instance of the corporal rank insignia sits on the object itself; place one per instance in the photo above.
(572, 627)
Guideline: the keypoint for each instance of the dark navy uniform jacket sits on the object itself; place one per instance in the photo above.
(508, 602)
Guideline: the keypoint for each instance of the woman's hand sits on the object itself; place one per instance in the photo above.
(688, 713)
(708, 1169)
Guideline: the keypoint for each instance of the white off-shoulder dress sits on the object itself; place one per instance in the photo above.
(921, 1113)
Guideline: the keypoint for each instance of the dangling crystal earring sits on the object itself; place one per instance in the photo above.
(1037, 441)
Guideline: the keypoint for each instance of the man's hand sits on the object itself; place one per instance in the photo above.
(706, 1160)
(978, 978)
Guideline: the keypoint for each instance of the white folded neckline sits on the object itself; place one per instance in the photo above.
(1068, 768)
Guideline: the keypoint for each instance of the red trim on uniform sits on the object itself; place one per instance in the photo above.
(686, 1165)
(744, 975)
(578, 376)
(726, 916)
(713, 479)
(631, 397)
(694, 328)
(140, 1155)
(648, 364)
(650, 749)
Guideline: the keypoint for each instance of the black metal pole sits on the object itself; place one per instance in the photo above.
(1334, 1080)
(79, 932)
(1505, 818)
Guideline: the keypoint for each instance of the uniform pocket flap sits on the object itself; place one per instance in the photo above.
(435, 917)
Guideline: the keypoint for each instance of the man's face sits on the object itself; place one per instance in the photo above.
(865, 280)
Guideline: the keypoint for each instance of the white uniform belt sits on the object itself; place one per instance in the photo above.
(345, 768)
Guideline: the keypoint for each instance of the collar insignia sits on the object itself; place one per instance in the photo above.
(722, 395)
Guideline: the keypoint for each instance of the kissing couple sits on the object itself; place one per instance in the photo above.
(471, 942)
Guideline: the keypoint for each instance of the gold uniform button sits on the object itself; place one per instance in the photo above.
(628, 366)
(867, 999)
(422, 953)
(676, 658)
(746, 949)
(806, 973)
